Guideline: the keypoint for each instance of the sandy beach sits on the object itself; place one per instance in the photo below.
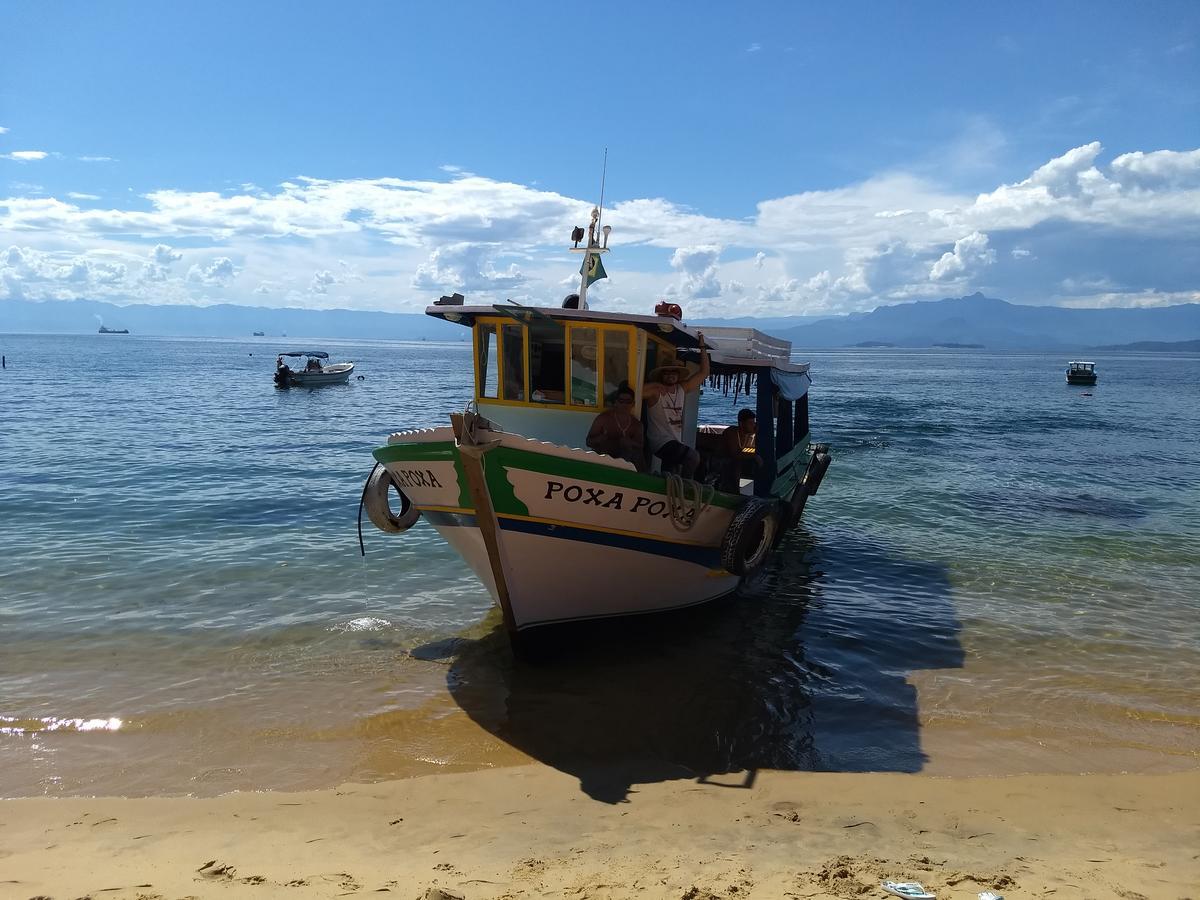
(529, 831)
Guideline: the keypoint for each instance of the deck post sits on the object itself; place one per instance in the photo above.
(784, 439)
(800, 427)
(764, 475)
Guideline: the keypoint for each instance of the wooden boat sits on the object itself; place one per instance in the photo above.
(557, 532)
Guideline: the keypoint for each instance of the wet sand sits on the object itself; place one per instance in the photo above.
(530, 831)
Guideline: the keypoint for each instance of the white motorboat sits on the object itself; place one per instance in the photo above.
(316, 370)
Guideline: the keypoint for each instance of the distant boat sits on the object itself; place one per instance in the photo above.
(104, 330)
(1080, 372)
(260, 334)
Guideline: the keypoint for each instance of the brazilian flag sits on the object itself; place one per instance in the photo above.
(595, 268)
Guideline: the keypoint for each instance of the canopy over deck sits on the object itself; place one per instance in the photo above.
(731, 350)
(315, 354)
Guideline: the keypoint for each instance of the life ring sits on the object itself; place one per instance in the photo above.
(379, 509)
(749, 537)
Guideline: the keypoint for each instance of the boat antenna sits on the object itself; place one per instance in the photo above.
(603, 176)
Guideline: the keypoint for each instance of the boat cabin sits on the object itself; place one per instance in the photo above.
(546, 373)
(1081, 372)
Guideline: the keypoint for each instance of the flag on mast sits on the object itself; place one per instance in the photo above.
(595, 268)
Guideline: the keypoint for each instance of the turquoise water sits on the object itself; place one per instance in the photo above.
(1001, 573)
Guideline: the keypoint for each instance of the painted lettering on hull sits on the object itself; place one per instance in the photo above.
(415, 478)
(606, 498)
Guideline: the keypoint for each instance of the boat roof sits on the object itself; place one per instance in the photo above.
(1080, 362)
(318, 354)
(729, 348)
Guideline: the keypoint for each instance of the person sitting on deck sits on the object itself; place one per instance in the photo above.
(737, 444)
(314, 365)
(617, 432)
(665, 394)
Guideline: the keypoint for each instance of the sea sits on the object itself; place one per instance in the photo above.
(1000, 574)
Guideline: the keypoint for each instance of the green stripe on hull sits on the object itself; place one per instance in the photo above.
(431, 451)
(583, 470)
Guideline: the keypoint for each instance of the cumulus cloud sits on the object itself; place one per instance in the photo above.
(25, 155)
(392, 242)
(466, 266)
(969, 254)
(321, 281)
(25, 271)
(698, 270)
(220, 271)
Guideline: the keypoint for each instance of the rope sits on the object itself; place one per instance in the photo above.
(362, 548)
(686, 510)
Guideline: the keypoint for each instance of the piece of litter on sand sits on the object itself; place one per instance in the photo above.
(990, 895)
(911, 889)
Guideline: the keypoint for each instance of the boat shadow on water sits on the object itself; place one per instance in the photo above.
(796, 672)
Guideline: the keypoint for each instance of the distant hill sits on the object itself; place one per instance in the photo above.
(1156, 346)
(956, 322)
(222, 320)
(997, 324)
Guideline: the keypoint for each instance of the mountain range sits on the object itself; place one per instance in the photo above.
(974, 321)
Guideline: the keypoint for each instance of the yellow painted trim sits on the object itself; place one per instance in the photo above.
(446, 509)
(600, 529)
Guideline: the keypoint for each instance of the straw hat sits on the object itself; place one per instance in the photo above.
(657, 374)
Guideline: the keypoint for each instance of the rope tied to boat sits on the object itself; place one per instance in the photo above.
(687, 499)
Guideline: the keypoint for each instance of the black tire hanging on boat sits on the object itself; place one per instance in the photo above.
(750, 536)
(379, 509)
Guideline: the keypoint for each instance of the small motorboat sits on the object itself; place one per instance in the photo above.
(1080, 372)
(316, 371)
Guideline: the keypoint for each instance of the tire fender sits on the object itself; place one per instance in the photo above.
(379, 508)
(750, 536)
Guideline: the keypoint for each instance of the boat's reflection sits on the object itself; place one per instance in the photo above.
(795, 673)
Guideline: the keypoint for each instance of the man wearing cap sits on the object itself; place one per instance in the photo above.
(665, 394)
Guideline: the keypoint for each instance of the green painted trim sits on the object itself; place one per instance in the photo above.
(589, 471)
(439, 451)
(415, 451)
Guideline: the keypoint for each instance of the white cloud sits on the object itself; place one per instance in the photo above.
(698, 270)
(397, 243)
(754, 48)
(75, 195)
(321, 281)
(25, 155)
(96, 159)
(1162, 169)
(969, 254)
(3, 130)
(220, 271)
(466, 267)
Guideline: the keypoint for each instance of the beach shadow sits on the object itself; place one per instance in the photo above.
(797, 672)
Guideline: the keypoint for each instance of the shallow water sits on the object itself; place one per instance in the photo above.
(1000, 574)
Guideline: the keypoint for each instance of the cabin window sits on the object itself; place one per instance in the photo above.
(488, 364)
(584, 365)
(616, 361)
(513, 346)
(547, 362)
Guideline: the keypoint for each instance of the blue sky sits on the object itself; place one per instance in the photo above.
(764, 159)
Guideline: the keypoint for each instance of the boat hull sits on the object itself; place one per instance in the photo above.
(560, 535)
(335, 374)
(1080, 379)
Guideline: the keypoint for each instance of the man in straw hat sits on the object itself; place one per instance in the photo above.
(665, 393)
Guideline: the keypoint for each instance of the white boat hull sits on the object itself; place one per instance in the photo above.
(339, 373)
(571, 534)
